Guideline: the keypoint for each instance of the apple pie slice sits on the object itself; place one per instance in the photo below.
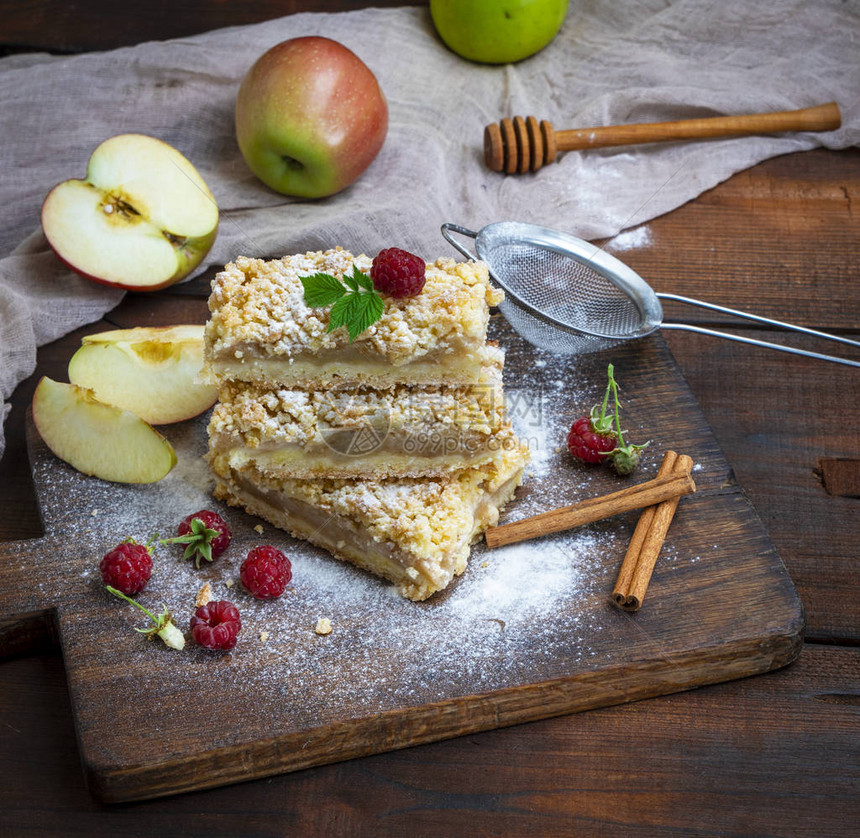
(361, 432)
(261, 330)
(415, 532)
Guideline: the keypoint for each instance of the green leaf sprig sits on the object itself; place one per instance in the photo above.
(354, 302)
(198, 543)
(164, 626)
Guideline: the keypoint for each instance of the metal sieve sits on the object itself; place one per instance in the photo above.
(567, 296)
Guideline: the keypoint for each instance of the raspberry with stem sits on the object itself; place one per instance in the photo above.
(598, 437)
(205, 535)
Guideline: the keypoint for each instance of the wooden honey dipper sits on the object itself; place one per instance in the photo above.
(523, 144)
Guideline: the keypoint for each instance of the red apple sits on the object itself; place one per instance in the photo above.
(310, 117)
(143, 218)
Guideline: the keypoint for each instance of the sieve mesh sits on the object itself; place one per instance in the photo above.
(567, 288)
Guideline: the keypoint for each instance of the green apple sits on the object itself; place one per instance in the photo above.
(97, 438)
(310, 117)
(141, 219)
(152, 371)
(497, 31)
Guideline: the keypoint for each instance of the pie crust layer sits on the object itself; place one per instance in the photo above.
(415, 533)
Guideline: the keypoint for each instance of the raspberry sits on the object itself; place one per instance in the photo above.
(205, 534)
(398, 273)
(127, 567)
(593, 439)
(266, 572)
(216, 625)
(588, 445)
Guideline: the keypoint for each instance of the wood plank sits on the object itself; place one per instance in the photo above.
(779, 415)
(55, 26)
(774, 755)
(751, 243)
(720, 607)
(840, 476)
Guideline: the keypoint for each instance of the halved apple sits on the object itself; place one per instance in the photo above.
(153, 371)
(142, 219)
(97, 438)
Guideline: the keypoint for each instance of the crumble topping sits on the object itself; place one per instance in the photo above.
(204, 595)
(260, 303)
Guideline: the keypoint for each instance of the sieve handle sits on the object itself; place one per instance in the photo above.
(791, 350)
(448, 229)
(780, 324)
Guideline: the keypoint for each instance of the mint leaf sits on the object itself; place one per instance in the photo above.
(342, 312)
(352, 282)
(354, 301)
(322, 290)
(363, 280)
(367, 310)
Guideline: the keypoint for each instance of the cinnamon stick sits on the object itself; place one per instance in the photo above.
(647, 540)
(645, 494)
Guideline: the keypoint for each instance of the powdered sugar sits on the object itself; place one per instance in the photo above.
(632, 239)
(520, 615)
(507, 604)
(521, 579)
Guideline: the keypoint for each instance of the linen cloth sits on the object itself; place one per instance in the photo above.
(613, 62)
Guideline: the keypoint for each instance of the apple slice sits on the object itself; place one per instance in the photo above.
(97, 438)
(151, 371)
(142, 219)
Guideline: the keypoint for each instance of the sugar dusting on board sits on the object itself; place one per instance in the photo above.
(519, 614)
(527, 631)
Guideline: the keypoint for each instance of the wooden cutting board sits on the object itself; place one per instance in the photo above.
(526, 633)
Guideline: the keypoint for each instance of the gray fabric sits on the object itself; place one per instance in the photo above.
(613, 62)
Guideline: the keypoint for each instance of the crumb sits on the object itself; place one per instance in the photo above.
(204, 595)
(258, 529)
(485, 564)
(557, 449)
(323, 626)
(264, 636)
(95, 512)
(228, 583)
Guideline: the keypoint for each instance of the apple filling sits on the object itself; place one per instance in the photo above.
(392, 458)
(414, 533)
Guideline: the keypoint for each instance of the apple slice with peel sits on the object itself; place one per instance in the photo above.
(151, 371)
(97, 438)
(142, 219)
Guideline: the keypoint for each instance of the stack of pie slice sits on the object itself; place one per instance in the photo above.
(394, 451)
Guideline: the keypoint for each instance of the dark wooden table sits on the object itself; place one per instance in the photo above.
(778, 754)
